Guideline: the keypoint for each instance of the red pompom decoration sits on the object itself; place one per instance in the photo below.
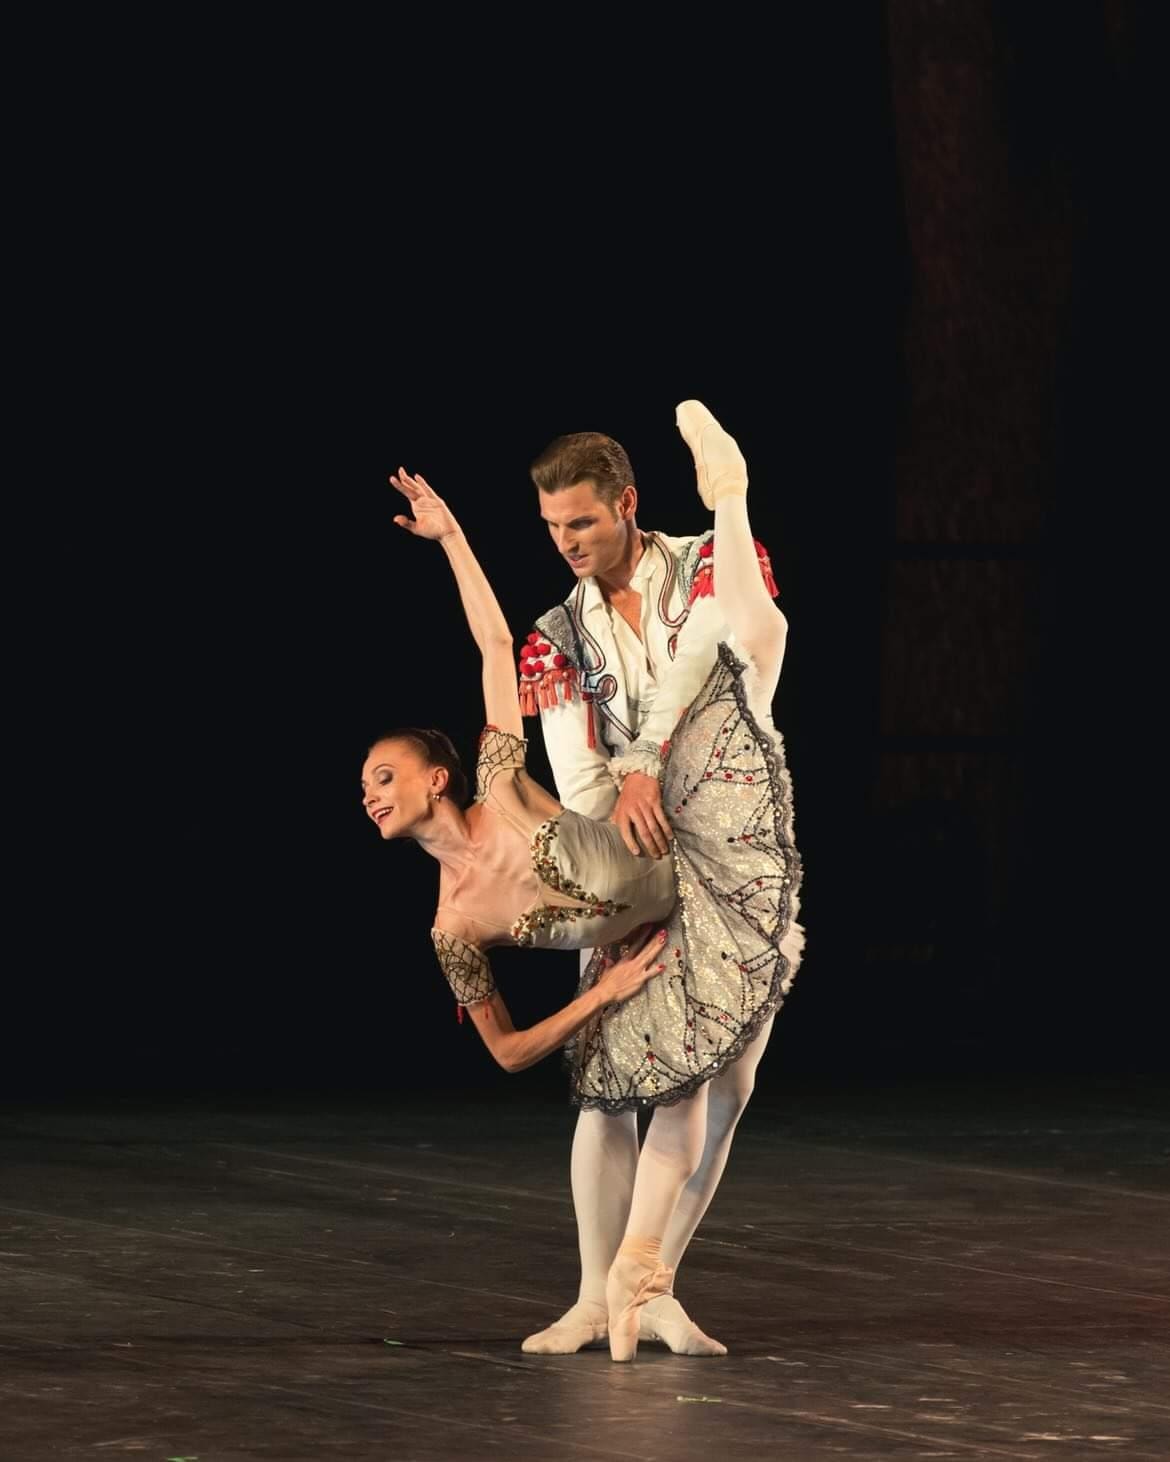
(536, 667)
(706, 550)
(543, 649)
(534, 638)
(559, 661)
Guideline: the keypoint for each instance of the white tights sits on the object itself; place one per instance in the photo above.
(665, 1190)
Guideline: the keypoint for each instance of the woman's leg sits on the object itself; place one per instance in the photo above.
(759, 627)
(604, 1160)
(729, 1094)
(760, 630)
(670, 1157)
(727, 1098)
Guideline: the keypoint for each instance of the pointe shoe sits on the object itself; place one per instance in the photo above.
(629, 1285)
(719, 465)
(581, 1325)
(665, 1319)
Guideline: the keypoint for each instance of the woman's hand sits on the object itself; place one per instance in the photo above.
(432, 517)
(627, 976)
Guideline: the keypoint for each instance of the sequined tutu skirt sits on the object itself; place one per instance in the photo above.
(733, 944)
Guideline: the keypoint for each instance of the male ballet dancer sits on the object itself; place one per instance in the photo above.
(610, 670)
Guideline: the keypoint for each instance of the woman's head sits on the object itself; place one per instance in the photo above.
(407, 774)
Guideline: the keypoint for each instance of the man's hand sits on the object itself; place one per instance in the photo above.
(639, 815)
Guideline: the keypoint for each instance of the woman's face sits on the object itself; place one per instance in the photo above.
(397, 785)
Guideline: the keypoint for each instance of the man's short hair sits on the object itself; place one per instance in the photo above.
(584, 456)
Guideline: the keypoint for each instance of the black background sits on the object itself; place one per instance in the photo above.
(341, 255)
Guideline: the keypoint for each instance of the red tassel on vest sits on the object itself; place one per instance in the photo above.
(541, 682)
(590, 726)
(704, 582)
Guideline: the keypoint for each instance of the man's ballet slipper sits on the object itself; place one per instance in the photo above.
(634, 1277)
(579, 1326)
(665, 1319)
(720, 469)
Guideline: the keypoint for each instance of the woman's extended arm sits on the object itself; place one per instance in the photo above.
(433, 519)
(515, 1050)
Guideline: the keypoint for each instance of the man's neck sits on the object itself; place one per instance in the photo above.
(617, 580)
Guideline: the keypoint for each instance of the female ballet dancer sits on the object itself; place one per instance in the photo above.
(517, 868)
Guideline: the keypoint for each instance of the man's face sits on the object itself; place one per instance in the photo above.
(590, 535)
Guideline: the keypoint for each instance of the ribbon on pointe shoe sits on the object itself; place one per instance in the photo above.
(720, 470)
(623, 1330)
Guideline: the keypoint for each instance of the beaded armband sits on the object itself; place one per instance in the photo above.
(466, 968)
(498, 751)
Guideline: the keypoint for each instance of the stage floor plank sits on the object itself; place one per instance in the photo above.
(942, 1271)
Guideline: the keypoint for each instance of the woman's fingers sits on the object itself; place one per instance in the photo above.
(653, 949)
(421, 485)
(636, 943)
(404, 522)
(404, 487)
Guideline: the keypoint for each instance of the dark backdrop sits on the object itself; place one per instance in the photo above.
(902, 252)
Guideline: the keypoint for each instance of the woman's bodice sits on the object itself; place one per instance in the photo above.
(544, 877)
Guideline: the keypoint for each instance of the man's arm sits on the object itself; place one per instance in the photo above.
(639, 813)
(581, 771)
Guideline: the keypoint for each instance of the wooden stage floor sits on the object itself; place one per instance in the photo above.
(978, 1270)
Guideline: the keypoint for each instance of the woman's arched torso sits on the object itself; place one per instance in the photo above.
(541, 876)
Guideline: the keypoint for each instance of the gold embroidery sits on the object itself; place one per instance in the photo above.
(526, 927)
